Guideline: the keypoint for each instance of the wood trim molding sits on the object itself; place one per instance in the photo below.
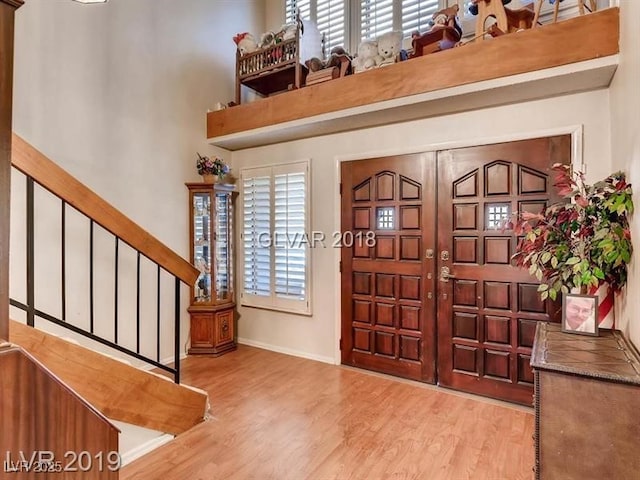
(7, 16)
(575, 40)
(39, 412)
(118, 390)
(13, 3)
(48, 174)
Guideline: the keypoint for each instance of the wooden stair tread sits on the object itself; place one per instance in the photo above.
(118, 390)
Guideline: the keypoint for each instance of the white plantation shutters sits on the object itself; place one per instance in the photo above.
(256, 202)
(348, 22)
(416, 14)
(328, 15)
(330, 19)
(274, 239)
(376, 18)
(292, 7)
(289, 229)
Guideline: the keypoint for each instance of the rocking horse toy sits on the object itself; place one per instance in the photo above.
(592, 7)
(506, 20)
(445, 33)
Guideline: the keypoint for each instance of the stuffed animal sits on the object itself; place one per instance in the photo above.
(246, 43)
(267, 39)
(447, 17)
(314, 64)
(287, 32)
(336, 58)
(389, 46)
(368, 56)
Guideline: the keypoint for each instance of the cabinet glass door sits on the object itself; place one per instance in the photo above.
(202, 245)
(222, 271)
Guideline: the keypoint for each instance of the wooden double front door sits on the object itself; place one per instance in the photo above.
(429, 291)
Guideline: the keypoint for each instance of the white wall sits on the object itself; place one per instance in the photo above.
(625, 151)
(274, 15)
(316, 336)
(117, 95)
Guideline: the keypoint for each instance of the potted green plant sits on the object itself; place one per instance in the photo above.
(581, 243)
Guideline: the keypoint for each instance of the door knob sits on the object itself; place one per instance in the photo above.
(445, 274)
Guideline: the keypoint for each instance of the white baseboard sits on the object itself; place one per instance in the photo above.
(166, 361)
(139, 451)
(286, 351)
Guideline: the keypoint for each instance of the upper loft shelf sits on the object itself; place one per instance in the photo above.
(576, 55)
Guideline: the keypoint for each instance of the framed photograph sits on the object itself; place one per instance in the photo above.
(580, 314)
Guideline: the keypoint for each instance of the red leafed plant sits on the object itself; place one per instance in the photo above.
(581, 243)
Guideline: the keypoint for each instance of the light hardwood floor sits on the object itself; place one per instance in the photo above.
(275, 416)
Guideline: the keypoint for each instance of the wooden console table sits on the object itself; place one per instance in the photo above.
(587, 399)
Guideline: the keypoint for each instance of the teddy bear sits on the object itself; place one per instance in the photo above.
(368, 56)
(389, 46)
(246, 43)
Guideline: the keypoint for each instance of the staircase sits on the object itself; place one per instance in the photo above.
(133, 292)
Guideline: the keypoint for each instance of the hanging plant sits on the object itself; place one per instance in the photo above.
(581, 243)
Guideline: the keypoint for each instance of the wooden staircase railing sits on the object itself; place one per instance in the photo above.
(41, 172)
(44, 171)
(118, 390)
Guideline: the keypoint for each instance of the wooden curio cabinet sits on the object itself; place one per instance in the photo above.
(212, 303)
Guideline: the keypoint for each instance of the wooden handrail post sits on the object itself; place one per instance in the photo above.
(7, 15)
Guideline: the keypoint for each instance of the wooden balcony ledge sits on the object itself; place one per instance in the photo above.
(575, 55)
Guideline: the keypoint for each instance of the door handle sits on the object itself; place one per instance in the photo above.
(445, 274)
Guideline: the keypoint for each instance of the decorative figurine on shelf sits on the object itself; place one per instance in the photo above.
(288, 31)
(504, 19)
(367, 57)
(209, 169)
(389, 46)
(582, 7)
(246, 43)
(267, 39)
(445, 33)
(337, 65)
(203, 283)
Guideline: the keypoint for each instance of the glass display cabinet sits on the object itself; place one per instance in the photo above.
(212, 303)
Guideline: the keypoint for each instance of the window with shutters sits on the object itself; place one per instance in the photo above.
(331, 17)
(275, 246)
(416, 14)
(347, 22)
